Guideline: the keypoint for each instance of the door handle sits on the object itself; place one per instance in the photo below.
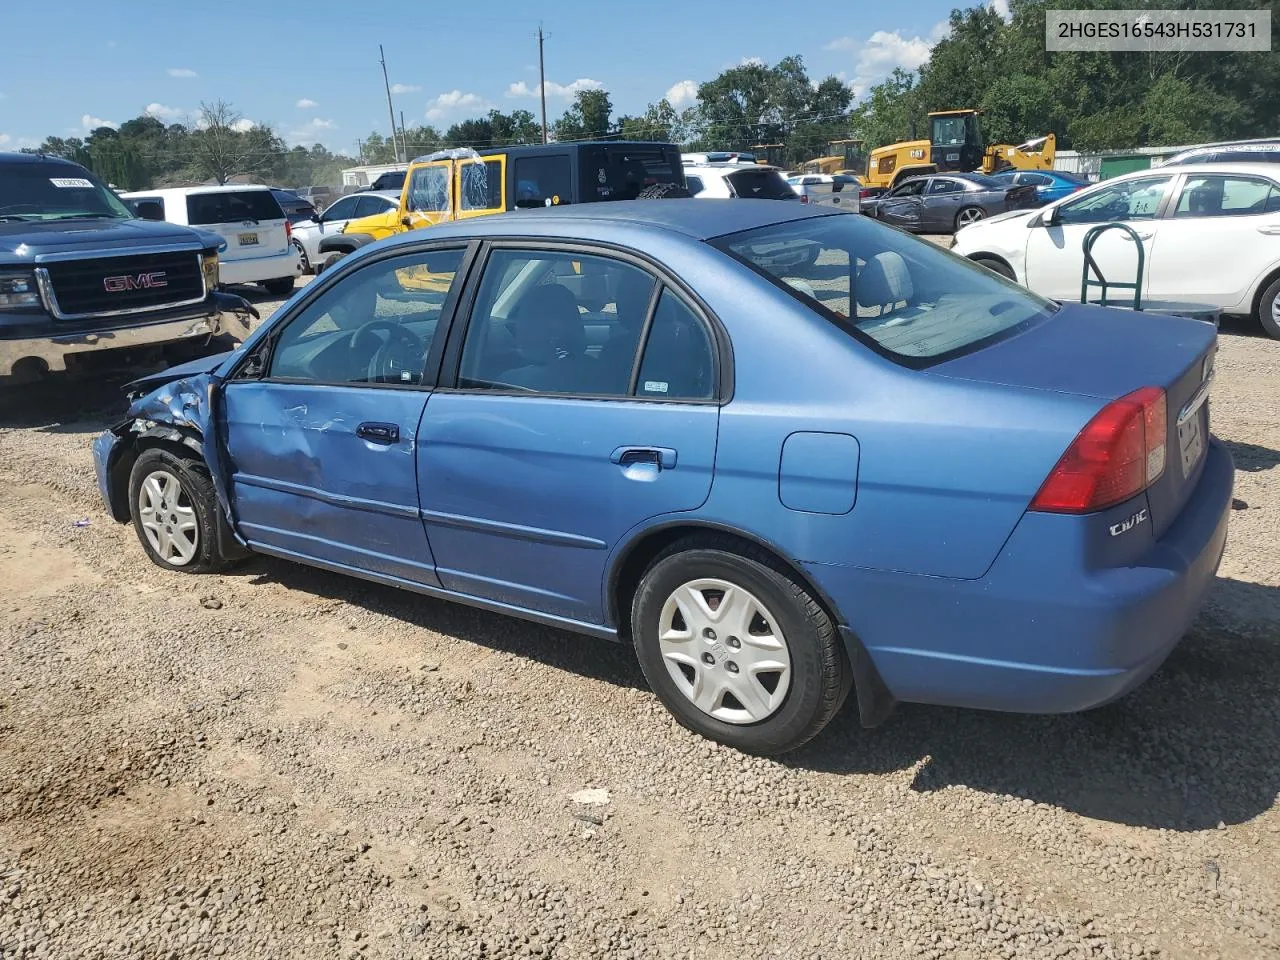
(663, 457)
(1141, 236)
(384, 433)
(1270, 230)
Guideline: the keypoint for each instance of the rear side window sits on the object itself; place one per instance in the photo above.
(232, 206)
(760, 185)
(1227, 196)
(543, 180)
(481, 185)
(368, 206)
(621, 172)
(678, 359)
(694, 185)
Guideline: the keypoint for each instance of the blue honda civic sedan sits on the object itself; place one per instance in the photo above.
(786, 452)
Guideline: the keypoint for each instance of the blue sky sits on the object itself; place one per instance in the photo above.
(311, 71)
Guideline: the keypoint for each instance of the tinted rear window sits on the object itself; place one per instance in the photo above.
(621, 172)
(760, 185)
(232, 206)
(905, 298)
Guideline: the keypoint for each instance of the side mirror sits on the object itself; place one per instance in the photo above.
(405, 221)
(252, 369)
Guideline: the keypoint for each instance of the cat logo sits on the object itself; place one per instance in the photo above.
(917, 154)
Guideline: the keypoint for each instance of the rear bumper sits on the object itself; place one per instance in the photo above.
(1033, 637)
(54, 348)
(257, 269)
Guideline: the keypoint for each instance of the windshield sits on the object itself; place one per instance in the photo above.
(761, 185)
(906, 298)
(55, 191)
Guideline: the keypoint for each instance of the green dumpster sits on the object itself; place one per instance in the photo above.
(1115, 165)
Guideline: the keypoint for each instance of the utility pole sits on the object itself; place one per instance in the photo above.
(542, 85)
(404, 137)
(382, 59)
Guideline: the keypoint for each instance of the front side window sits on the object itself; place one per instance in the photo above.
(1034, 179)
(1129, 200)
(911, 188)
(429, 189)
(373, 326)
(344, 209)
(556, 322)
(910, 300)
(543, 181)
(232, 206)
(1226, 196)
(481, 185)
(55, 191)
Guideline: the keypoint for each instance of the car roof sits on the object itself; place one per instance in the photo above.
(1231, 166)
(188, 191)
(698, 219)
(36, 158)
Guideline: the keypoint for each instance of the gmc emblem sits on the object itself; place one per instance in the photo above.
(143, 281)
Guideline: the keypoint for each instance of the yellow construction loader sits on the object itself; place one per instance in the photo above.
(955, 144)
(843, 156)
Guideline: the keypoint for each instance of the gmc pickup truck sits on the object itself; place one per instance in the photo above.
(79, 273)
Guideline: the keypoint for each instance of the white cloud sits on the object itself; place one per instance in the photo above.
(751, 62)
(1001, 7)
(167, 114)
(405, 88)
(243, 125)
(522, 89)
(683, 93)
(885, 50)
(311, 131)
(455, 102)
(182, 72)
(306, 104)
(4, 138)
(91, 123)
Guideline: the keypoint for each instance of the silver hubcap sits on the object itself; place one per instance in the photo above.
(969, 216)
(302, 253)
(168, 519)
(1275, 310)
(724, 650)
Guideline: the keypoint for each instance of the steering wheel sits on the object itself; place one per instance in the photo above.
(403, 351)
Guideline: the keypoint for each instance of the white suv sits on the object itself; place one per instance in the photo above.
(752, 181)
(249, 218)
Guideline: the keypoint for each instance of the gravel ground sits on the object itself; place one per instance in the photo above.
(283, 763)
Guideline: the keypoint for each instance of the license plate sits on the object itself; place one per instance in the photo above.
(1191, 442)
(248, 239)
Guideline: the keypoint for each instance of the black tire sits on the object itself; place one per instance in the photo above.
(1268, 310)
(820, 673)
(663, 191)
(997, 266)
(329, 261)
(280, 286)
(960, 214)
(197, 490)
(302, 256)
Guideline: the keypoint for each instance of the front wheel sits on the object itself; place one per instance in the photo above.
(279, 287)
(997, 266)
(969, 215)
(736, 649)
(175, 511)
(1268, 312)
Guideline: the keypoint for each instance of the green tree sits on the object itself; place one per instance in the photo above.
(588, 117)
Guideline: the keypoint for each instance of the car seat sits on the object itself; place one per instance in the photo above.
(883, 285)
(550, 342)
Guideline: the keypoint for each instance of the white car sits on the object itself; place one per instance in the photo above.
(753, 181)
(1210, 233)
(307, 234)
(249, 218)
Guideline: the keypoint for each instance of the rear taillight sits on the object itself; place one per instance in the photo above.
(288, 230)
(804, 198)
(864, 194)
(1118, 454)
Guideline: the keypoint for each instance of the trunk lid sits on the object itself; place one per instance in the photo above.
(1106, 354)
(250, 220)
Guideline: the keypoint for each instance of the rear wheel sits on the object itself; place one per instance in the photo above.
(279, 287)
(735, 648)
(302, 255)
(968, 215)
(1268, 312)
(997, 266)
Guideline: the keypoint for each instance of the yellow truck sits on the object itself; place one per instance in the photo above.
(458, 184)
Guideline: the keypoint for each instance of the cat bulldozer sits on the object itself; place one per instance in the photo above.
(955, 144)
(842, 156)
